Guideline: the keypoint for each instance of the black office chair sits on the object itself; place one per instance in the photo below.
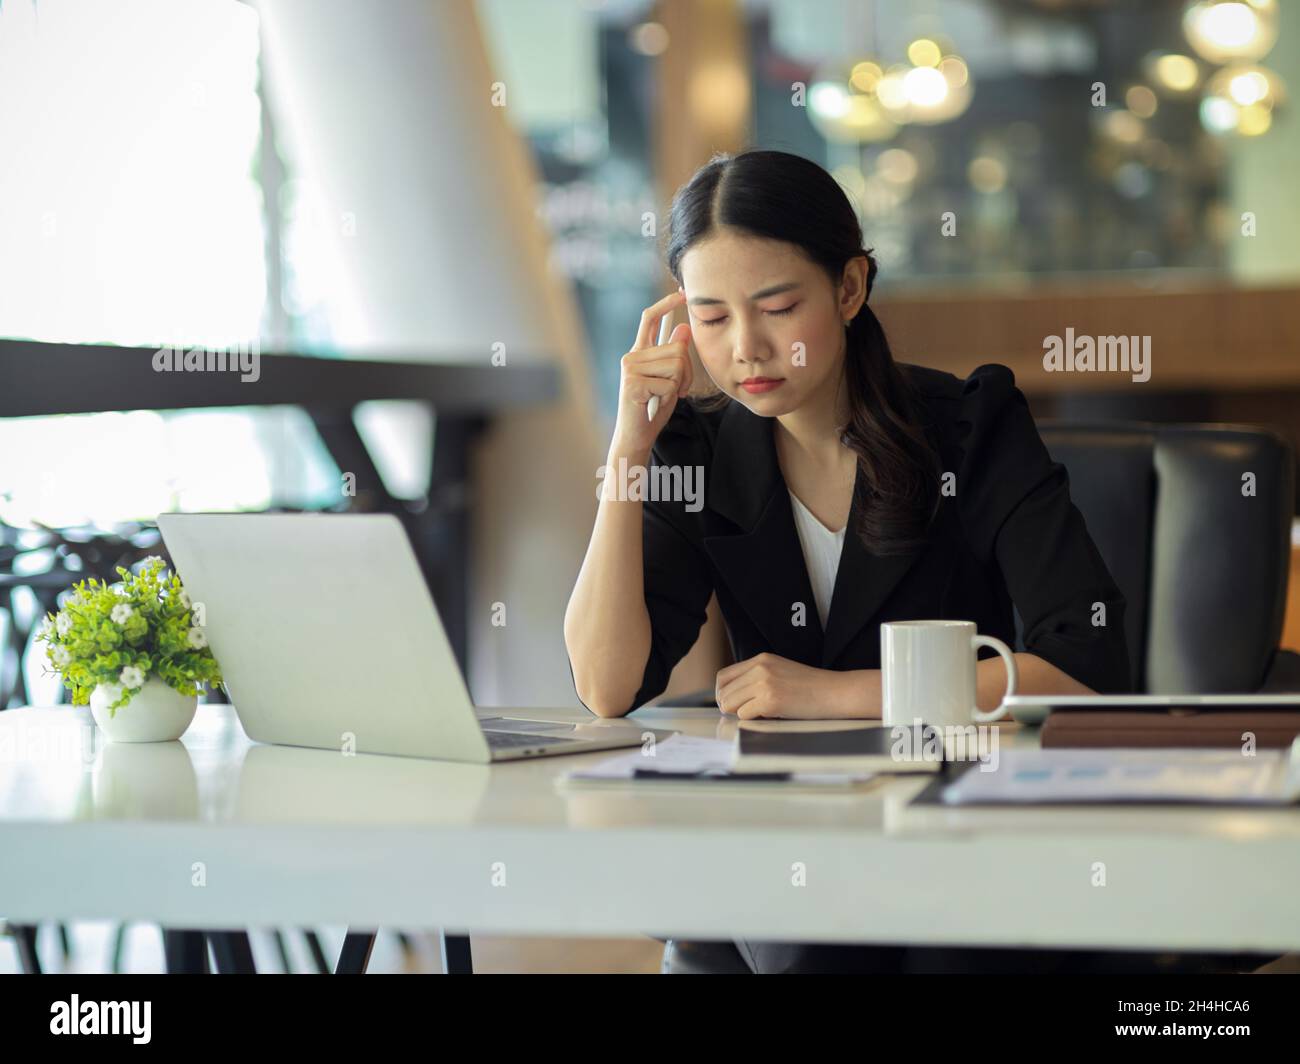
(1202, 564)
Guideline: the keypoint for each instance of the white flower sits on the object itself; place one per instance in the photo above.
(121, 613)
(183, 597)
(146, 562)
(45, 628)
(131, 677)
(64, 623)
(197, 639)
(61, 656)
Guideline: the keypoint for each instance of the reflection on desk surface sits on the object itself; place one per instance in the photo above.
(55, 768)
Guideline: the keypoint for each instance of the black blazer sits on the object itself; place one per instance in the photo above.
(1009, 535)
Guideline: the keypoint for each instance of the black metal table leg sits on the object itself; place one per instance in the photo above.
(456, 958)
(317, 953)
(355, 954)
(25, 939)
(233, 951)
(186, 952)
(283, 950)
(119, 946)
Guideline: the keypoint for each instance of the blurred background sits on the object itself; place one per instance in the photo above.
(450, 211)
(437, 221)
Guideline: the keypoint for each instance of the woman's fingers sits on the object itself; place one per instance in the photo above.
(736, 678)
(641, 389)
(648, 331)
(735, 694)
(730, 672)
(668, 363)
(670, 366)
(682, 334)
(755, 709)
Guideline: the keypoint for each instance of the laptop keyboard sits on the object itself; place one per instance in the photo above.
(504, 740)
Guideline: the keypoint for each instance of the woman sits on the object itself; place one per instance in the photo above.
(840, 488)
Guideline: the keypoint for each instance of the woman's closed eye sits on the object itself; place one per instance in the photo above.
(775, 313)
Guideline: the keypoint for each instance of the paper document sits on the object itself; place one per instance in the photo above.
(1267, 777)
(678, 754)
(691, 756)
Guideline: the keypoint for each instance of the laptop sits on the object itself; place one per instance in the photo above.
(327, 637)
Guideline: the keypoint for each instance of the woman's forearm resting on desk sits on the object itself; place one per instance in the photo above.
(771, 686)
(1037, 677)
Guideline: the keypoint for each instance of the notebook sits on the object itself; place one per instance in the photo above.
(858, 749)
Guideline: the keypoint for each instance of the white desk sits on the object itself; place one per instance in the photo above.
(284, 836)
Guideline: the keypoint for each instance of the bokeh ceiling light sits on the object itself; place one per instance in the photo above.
(1226, 30)
(898, 166)
(924, 52)
(1123, 127)
(1171, 73)
(649, 38)
(987, 174)
(865, 76)
(935, 88)
(844, 107)
(1141, 101)
(925, 87)
(1240, 99)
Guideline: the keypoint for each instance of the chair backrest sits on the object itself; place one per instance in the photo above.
(1194, 522)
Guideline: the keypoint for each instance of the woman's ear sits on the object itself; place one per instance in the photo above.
(854, 287)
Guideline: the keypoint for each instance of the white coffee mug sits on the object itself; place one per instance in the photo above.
(928, 673)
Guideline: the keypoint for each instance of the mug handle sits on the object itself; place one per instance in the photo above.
(1013, 678)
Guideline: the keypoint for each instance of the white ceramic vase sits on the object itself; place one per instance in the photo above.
(156, 713)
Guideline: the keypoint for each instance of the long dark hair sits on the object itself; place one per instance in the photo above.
(779, 196)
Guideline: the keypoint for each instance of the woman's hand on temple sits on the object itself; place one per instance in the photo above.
(772, 686)
(661, 370)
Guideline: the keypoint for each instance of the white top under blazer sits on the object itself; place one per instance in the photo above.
(821, 554)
